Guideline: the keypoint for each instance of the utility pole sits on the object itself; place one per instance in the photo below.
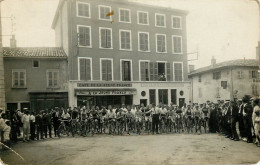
(2, 84)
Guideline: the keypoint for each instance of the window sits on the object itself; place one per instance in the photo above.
(199, 78)
(143, 41)
(143, 18)
(103, 11)
(216, 75)
(177, 44)
(152, 96)
(178, 71)
(125, 40)
(52, 78)
(83, 9)
(105, 38)
(176, 22)
(254, 90)
(85, 71)
(160, 20)
(161, 43)
(36, 64)
(125, 15)
(18, 78)
(106, 69)
(224, 84)
(253, 74)
(84, 36)
(126, 70)
(161, 71)
(174, 96)
(163, 96)
(240, 74)
(144, 69)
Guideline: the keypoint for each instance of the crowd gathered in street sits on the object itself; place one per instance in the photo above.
(237, 120)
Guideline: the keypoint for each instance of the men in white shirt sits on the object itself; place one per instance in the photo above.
(155, 118)
(32, 126)
(26, 126)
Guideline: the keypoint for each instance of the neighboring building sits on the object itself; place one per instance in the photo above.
(225, 80)
(35, 78)
(2, 85)
(135, 55)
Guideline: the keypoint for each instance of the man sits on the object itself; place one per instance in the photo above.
(234, 119)
(55, 117)
(45, 123)
(49, 119)
(240, 118)
(256, 121)
(39, 125)
(15, 126)
(5, 128)
(26, 126)
(247, 118)
(32, 126)
(155, 118)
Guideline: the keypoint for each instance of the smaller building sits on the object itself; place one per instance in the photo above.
(35, 77)
(225, 81)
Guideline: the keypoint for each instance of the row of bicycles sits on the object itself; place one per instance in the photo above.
(124, 125)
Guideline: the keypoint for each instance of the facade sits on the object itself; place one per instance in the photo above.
(121, 52)
(35, 78)
(225, 81)
(2, 85)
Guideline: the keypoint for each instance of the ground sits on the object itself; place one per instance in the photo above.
(135, 149)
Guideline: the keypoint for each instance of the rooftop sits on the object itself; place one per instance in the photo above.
(53, 52)
(227, 64)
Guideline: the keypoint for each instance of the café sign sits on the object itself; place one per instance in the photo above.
(105, 92)
(104, 85)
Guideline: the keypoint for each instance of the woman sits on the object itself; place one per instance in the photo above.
(256, 120)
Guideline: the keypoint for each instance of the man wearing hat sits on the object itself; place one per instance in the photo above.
(39, 126)
(234, 119)
(247, 118)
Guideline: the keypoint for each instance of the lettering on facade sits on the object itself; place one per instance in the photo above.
(161, 85)
(104, 85)
(105, 92)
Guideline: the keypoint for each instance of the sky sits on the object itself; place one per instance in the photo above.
(225, 29)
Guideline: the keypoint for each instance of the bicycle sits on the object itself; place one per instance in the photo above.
(63, 128)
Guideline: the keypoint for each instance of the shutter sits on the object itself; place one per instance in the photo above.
(142, 65)
(108, 39)
(168, 65)
(88, 70)
(103, 38)
(250, 74)
(22, 79)
(104, 70)
(55, 79)
(151, 71)
(50, 84)
(123, 70)
(156, 71)
(109, 70)
(129, 71)
(82, 69)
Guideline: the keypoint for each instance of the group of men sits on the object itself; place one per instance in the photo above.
(235, 119)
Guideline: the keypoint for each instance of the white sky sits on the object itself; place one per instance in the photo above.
(226, 29)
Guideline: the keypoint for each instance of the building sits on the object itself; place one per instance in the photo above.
(35, 78)
(122, 52)
(225, 81)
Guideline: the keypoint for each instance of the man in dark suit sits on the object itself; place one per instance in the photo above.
(247, 118)
(39, 125)
(55, 117)
(234, 119)
(49, 123)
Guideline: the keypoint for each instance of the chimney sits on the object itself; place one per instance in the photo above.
(191, 68)
(258, 51)
(13, 42)
(213, 61)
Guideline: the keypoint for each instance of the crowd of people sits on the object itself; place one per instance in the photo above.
(237, 120)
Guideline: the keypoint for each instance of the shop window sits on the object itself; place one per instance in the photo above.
(163, 96)
(106, 70)
(126, 70)
(152, 96)
(174, 96)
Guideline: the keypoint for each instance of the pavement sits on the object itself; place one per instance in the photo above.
(159, 149)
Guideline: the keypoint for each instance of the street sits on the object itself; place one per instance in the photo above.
(142, 149)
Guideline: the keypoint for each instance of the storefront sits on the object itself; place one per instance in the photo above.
(117, 93)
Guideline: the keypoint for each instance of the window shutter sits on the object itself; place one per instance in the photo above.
(109, 70)
(82, 69)
(103, 38)
(250, 74)
(142, 65)
(88, 70)
(55, 79)
(108, 39)
(156, 71)
(168, 65)
(104, 70)
(123, 70)
(151, 71)
(22, 77)
(50, 84)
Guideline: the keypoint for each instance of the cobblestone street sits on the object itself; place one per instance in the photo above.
(144, 149)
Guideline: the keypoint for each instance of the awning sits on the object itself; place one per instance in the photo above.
(105, 91)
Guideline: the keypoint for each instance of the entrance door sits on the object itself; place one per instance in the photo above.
(143, 101)
(181, 102)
